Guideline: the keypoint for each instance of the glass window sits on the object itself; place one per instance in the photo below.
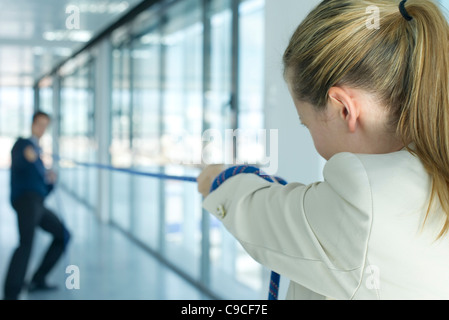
(46, 105)
(251, 117)
(251, 77)
(16, 111)
(170, 83)
(77, 133)
(67, 131)
(146, 95)
(120, 149)
(182, 117)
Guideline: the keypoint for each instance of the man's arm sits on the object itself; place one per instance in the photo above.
(30, 154)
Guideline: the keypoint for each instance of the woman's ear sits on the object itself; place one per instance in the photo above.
(343, 102)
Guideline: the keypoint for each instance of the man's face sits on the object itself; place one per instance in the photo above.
(39, 126)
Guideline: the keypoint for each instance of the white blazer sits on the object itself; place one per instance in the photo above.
(357, 235)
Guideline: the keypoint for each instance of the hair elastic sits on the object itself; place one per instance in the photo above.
(404, 11)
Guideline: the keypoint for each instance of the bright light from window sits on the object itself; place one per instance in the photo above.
(102, 7)
(68, 35)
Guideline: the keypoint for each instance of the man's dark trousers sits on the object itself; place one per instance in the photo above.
(32, 213)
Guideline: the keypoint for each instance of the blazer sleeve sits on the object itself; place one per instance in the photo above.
(17, 154)
(315, 235)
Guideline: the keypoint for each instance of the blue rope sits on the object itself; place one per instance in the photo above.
(131, 171)
(273, 292)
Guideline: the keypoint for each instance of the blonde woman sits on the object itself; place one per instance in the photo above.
(377, 106)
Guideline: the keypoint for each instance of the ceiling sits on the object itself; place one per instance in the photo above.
(37, 34)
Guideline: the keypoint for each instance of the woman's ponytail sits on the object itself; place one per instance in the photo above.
(424, 118)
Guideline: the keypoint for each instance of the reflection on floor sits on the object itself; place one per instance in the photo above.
(110, 266)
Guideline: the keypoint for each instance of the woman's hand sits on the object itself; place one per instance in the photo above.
(206, 178)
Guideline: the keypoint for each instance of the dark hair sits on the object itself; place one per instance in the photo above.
(38, 114)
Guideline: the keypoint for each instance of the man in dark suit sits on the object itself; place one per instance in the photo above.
(30, 185)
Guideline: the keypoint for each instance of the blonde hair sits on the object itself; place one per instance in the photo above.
(404, 63)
